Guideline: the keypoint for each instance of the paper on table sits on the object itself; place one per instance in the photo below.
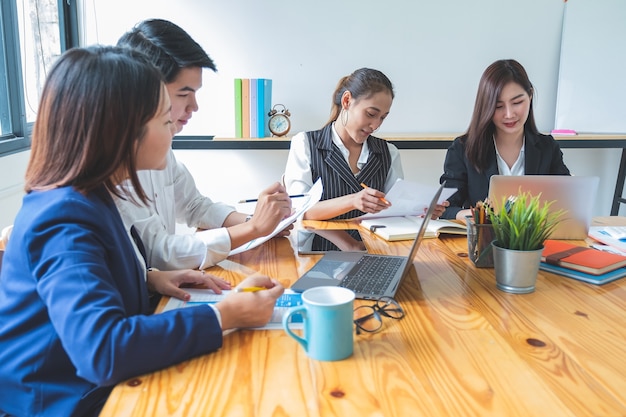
(315, 193)
(201, 296)
(609, 235)
(409, 198)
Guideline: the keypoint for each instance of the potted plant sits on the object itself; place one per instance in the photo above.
(521, 227)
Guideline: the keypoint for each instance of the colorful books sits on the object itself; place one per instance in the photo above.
(253, 102)
(580, 258)
(407, 227)
(581, 276)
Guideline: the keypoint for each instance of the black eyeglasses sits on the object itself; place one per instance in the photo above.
(368, 318)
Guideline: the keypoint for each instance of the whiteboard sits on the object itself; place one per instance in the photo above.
(591, 92)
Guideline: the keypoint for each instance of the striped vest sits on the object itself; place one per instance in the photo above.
(328, 163)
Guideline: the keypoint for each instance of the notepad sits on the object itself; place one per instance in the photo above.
(406, 228)
(200, 296)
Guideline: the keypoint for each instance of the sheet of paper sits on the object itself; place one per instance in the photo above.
(283, 304)
(409, 198)
(315, 193)
(605, 235)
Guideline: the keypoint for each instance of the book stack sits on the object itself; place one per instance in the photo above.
(582, 263)
(253, 102)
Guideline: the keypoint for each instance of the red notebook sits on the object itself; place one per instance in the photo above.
(581, 258)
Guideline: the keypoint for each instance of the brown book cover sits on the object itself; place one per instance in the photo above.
(581, 258)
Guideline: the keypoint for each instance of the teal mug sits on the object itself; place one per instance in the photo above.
(327, 314)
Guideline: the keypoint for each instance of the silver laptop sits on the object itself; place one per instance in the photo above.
(369, 276)
(575, 195)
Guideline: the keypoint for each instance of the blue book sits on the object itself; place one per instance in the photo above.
(260, 95)
(581, 276)
(267, 107)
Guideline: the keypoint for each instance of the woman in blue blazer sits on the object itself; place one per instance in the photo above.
(73, 294)
(502, 139)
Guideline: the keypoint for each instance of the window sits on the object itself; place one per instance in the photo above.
(33, 33)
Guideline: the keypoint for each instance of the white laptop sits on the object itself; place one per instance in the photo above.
(369, 276)
(575, 195)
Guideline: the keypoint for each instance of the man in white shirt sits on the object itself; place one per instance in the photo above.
(172, 192)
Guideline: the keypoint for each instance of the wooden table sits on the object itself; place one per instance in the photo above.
(464, 349)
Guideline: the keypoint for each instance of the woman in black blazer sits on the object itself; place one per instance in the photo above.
(502, 139)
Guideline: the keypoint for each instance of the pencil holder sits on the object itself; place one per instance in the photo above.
(479, 238)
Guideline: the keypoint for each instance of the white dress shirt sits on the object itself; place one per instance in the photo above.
(518, 165)
(174, 198)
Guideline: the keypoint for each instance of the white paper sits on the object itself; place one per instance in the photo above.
(205, 296)
(315, 193)
(605, 234)
(409, 198)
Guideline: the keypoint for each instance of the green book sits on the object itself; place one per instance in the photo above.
(238, 120)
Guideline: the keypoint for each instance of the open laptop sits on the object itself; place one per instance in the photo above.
(369, 276)
(575, 195)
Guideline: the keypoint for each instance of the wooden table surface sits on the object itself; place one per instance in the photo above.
(464, 349)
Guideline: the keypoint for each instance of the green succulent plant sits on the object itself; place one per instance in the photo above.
(523, 222)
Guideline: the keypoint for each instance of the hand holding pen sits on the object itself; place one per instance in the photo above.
(250, 308)
(370, 200)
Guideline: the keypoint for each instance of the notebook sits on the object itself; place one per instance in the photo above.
(576, 195)
(369, 276)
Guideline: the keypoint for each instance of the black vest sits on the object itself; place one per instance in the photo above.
(328, 163)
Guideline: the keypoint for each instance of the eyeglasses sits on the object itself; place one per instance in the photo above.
(368, 318)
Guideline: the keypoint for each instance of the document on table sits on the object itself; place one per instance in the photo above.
(315, 193)
(409, 198)
(201, 296)
(612, 236)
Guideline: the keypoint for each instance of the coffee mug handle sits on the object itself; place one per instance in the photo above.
(286, 317)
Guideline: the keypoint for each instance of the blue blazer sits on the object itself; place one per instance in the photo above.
(543, 156)
(73, 305)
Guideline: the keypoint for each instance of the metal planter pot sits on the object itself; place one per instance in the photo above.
(516, 271)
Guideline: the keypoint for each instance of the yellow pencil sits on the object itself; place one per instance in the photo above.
(249, 289)
(380, 198)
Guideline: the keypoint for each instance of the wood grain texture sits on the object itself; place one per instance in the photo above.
(464, 348)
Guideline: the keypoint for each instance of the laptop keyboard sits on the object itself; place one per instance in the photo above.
(372, 274)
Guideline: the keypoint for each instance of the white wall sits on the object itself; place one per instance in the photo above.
(12, 168)
(433, 51)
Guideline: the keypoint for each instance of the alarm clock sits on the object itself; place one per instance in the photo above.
(279, 123)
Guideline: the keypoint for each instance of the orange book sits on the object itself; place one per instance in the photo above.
(581, 258)
(245, 107)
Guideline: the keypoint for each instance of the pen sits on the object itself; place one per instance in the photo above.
(254, 200)
(380, 198)
(249, 289)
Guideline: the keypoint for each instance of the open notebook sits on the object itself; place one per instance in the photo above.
(369, 276)
(407, 227)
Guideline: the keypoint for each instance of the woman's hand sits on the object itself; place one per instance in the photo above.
(169, 282)
(439, 209)
(369, 200)
(250, 309)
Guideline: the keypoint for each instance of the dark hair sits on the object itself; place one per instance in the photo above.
(362, 83)
(94, 108)
(168, 46)
(481, 128)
